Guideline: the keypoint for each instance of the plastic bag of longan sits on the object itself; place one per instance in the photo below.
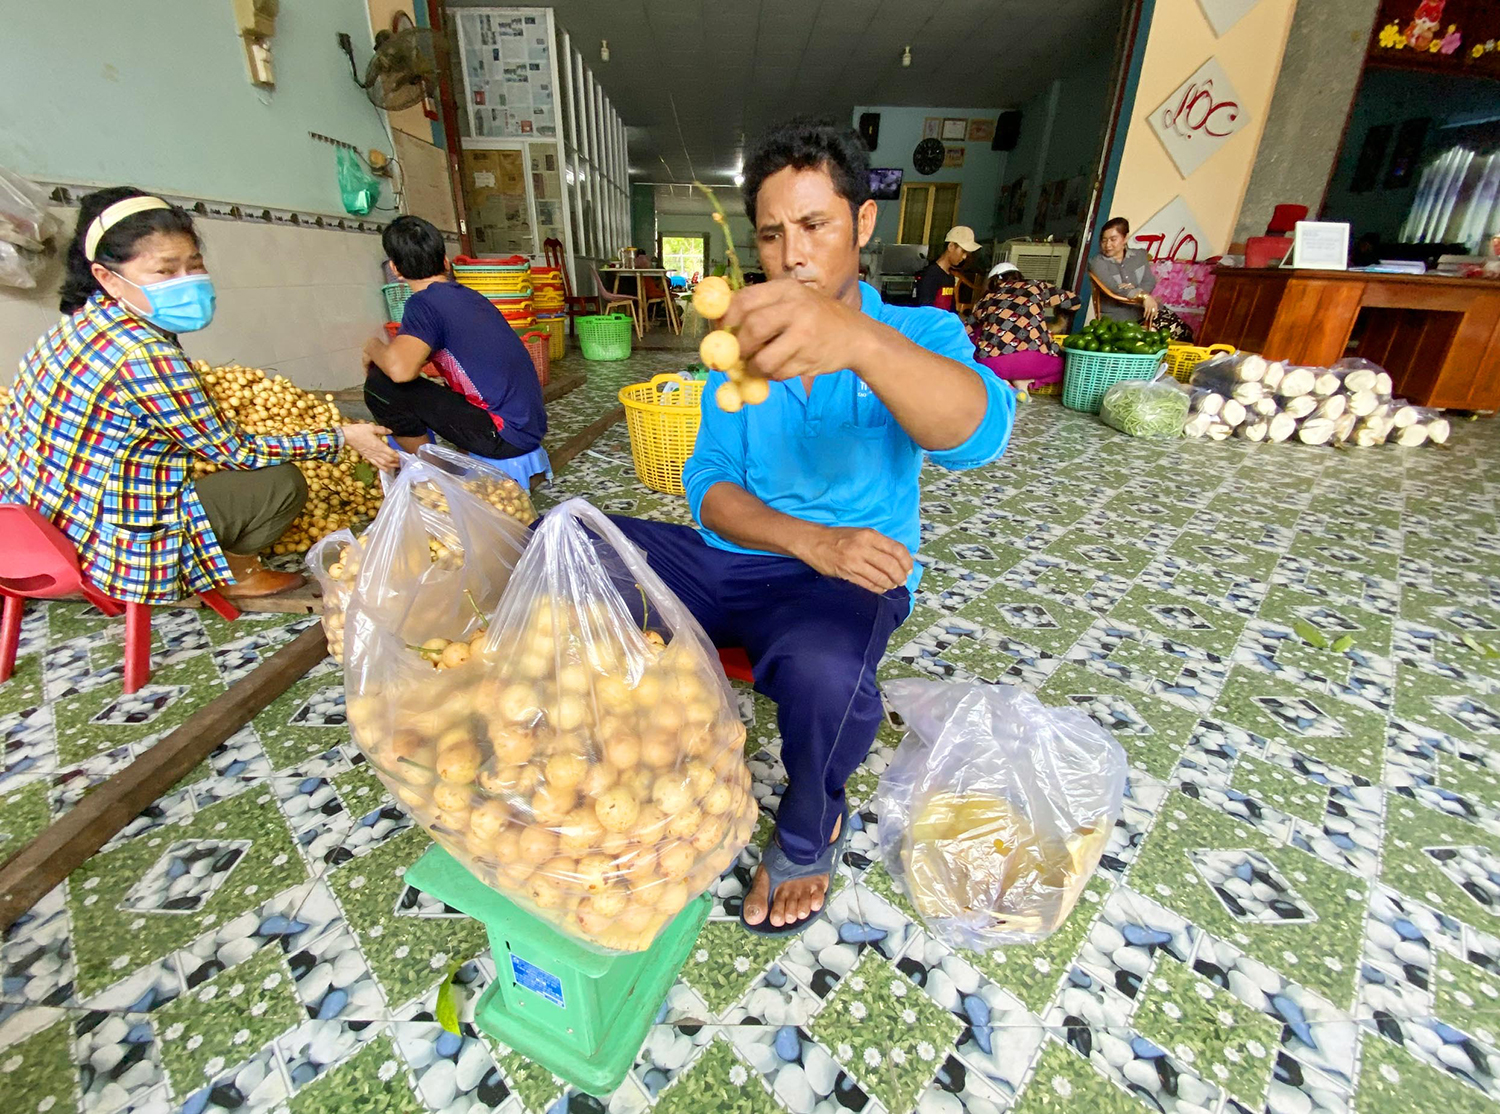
(607, 786)
(334, 563)
(482, 480)
(995, 810)
(412, 625)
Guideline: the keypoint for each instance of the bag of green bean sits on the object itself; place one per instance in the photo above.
(1146, 407)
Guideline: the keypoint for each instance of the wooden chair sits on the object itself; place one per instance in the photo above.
(668, 305)
(1100, 290)
(612, 301)
(575, 304)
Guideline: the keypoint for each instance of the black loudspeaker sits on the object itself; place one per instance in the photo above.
(1007, 131)
(869, 129)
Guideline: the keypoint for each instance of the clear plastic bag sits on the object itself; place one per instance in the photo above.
(995, 810)
(478, 479)
(1151, 408)
(25, 218)
(20, 267)
(585, 757)
(335, 562)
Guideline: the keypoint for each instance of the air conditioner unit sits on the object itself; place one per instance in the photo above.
(1046, 262)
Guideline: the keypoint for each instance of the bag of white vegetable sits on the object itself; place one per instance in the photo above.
(1150, 408)
(996, 809)
(587, 761)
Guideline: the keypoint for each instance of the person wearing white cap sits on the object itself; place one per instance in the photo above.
(108, 416)
(1010, 330)
(937, 284)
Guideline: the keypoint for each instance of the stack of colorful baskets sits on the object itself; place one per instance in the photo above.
(550, 302)
(505, 282)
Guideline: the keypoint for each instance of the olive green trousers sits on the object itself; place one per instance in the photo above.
(250, 509)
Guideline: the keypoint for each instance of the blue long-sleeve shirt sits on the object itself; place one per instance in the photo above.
(838, 457)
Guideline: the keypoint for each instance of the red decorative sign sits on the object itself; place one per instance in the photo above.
(1452, 36)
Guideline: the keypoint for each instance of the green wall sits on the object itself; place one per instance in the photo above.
(643, 216)
(155, 93)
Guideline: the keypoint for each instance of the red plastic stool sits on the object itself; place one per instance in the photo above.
(736, 664)
(40, 563)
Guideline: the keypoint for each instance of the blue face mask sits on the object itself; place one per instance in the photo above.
(178, 305)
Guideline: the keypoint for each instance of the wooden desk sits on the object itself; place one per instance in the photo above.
(1439, 337)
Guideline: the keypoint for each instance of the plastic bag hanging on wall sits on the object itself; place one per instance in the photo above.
(360, 188)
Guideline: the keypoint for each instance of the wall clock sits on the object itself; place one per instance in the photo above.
(928, 156)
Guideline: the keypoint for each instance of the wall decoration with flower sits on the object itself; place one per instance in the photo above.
(1452, 36)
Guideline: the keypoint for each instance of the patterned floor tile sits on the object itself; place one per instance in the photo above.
(1295, 914)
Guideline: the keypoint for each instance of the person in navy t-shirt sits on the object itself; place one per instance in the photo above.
(492, 404)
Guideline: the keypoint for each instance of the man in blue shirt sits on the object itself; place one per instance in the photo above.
(808, 503)
(492, 404)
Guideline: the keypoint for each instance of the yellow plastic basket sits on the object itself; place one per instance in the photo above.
(662, 417)
(558, 327)
(1182, 358)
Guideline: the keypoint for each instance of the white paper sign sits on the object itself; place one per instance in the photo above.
(1323, 245)
(1197, 119)
(483, 179)
(1224, 14)
(1174, 234)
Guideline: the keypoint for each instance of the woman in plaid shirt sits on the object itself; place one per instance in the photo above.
(107, 416)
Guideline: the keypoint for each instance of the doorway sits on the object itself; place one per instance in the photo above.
(928, 210)
(683, 253)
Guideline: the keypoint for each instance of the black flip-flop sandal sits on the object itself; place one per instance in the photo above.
(780, 869)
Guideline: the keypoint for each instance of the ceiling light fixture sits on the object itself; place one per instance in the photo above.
(905, 58)
(604, 50)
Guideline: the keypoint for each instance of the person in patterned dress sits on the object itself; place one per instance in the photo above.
(1009, 327)
(107, 416)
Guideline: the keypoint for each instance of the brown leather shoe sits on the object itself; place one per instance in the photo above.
(263, 582)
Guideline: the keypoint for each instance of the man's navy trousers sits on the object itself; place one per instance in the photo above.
(814, 642)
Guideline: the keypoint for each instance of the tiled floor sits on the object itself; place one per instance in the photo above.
(1298, 911)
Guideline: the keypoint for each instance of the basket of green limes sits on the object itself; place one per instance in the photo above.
(1105, 352)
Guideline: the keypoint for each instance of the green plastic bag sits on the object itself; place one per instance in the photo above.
(359, 187)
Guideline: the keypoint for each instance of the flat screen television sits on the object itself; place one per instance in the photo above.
(885, 183)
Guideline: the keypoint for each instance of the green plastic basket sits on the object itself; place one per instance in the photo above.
(396, 294)
(1087, 375)
(604, 337)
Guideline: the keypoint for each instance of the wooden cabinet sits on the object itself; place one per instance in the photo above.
(1439, 337)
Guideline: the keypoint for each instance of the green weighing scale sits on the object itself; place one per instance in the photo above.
(581, 1015)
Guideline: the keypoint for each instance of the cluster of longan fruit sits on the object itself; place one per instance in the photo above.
(502, 493)
(598, 780)
(272, 405)
(343, 557)
(720, 350)
(337, 570)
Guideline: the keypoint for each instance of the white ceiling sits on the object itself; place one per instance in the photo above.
(693, 79)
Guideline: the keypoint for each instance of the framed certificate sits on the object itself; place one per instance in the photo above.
(1321, 245)
(954, 129)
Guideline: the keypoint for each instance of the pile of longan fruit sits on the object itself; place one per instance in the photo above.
(598, 781)
(720, 350)
(270, 404)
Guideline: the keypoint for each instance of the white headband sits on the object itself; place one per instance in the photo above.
(113, 216)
